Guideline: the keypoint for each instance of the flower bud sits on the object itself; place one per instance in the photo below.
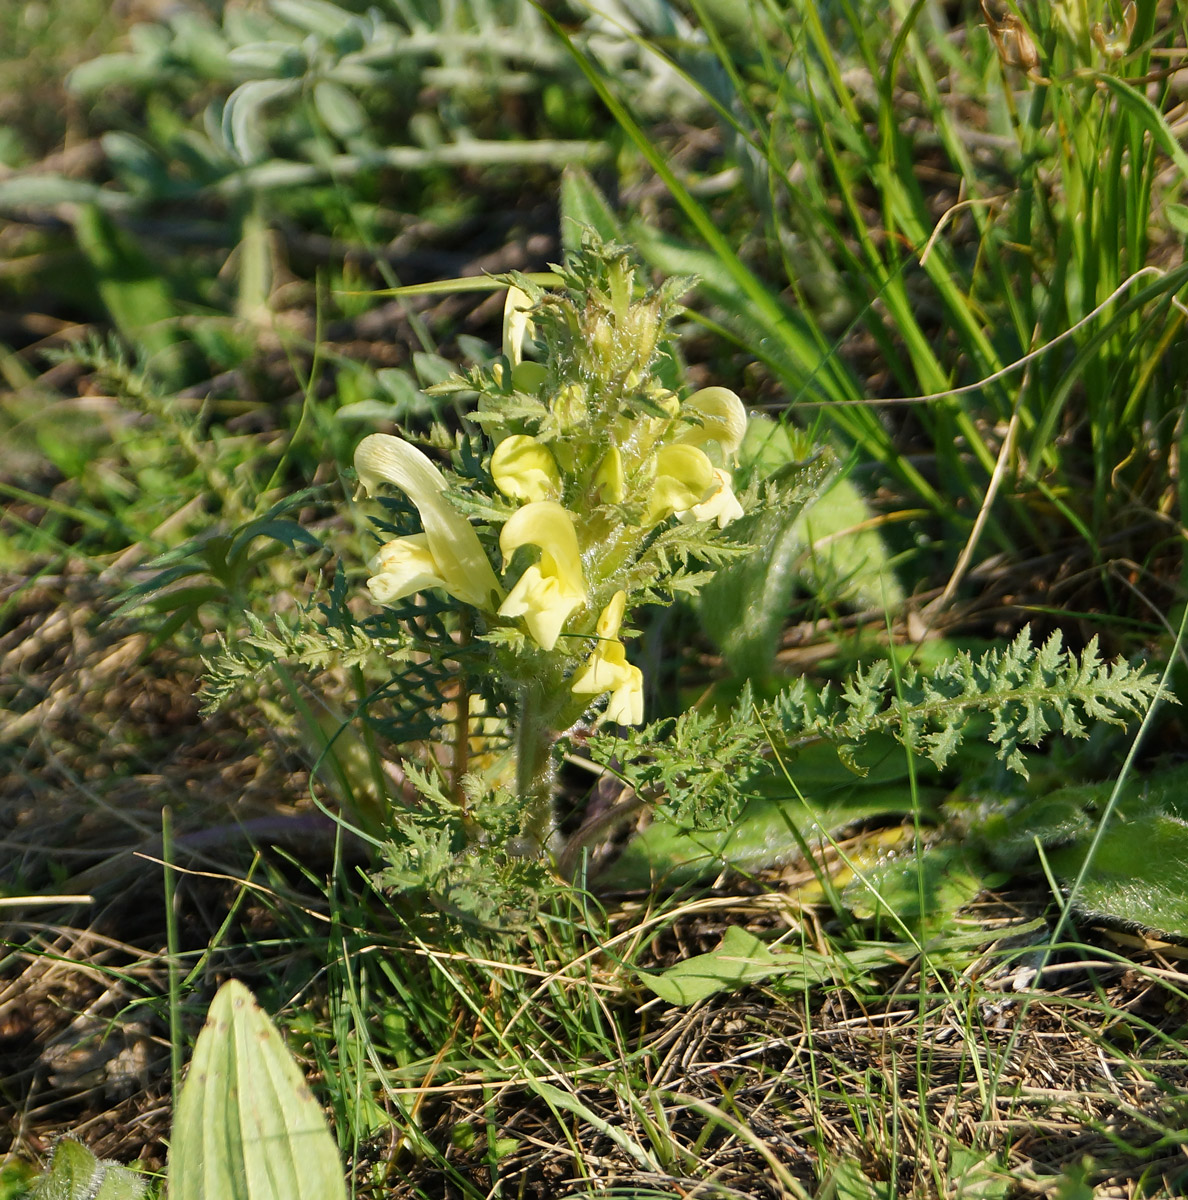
(609, 480)
(524, 470)
(529, 376)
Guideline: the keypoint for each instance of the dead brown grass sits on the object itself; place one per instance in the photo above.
(1079, 1068)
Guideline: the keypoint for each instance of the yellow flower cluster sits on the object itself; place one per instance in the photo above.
(660, 464)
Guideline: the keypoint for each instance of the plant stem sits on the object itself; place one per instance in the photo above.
(535, 769)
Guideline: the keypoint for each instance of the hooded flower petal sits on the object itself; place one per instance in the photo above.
(722, 419)
(721, 506)
(550, 589)
(611, 616)
(607, 669)
(523, 469)
(450, 552)
(684, 475)
(517, 324)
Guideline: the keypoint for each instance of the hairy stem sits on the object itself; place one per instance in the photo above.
(535, 770)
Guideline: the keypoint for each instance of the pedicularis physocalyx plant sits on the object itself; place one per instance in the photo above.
(573, 491)
(591, 489)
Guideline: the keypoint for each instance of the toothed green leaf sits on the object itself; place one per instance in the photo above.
(74, 1173)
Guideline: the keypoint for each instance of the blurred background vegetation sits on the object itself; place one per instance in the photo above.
(204, 205)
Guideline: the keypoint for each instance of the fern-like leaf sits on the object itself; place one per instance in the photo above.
(1026, 693)
(318, 648)
(700, 769)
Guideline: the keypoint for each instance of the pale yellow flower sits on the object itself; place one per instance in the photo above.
(523, 469)
(517, 324)
(684, 477)
(550, 589)
(721, 505)
(447, 555)
(607, 669)
(401, 567)
(721, 418)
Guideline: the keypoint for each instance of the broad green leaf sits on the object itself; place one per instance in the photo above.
(1139, 871)
(74, 1173)
(405, 399)
(112, 70)
(314, 16)
(200, 45)
(244, 112)
(1138, 874)
(341, 113)
(743, 959)
(46, 191)
(246, 1126)
(1011, 837)
(432, 368)
(843, 559)
(922, 889)
(370, 411)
